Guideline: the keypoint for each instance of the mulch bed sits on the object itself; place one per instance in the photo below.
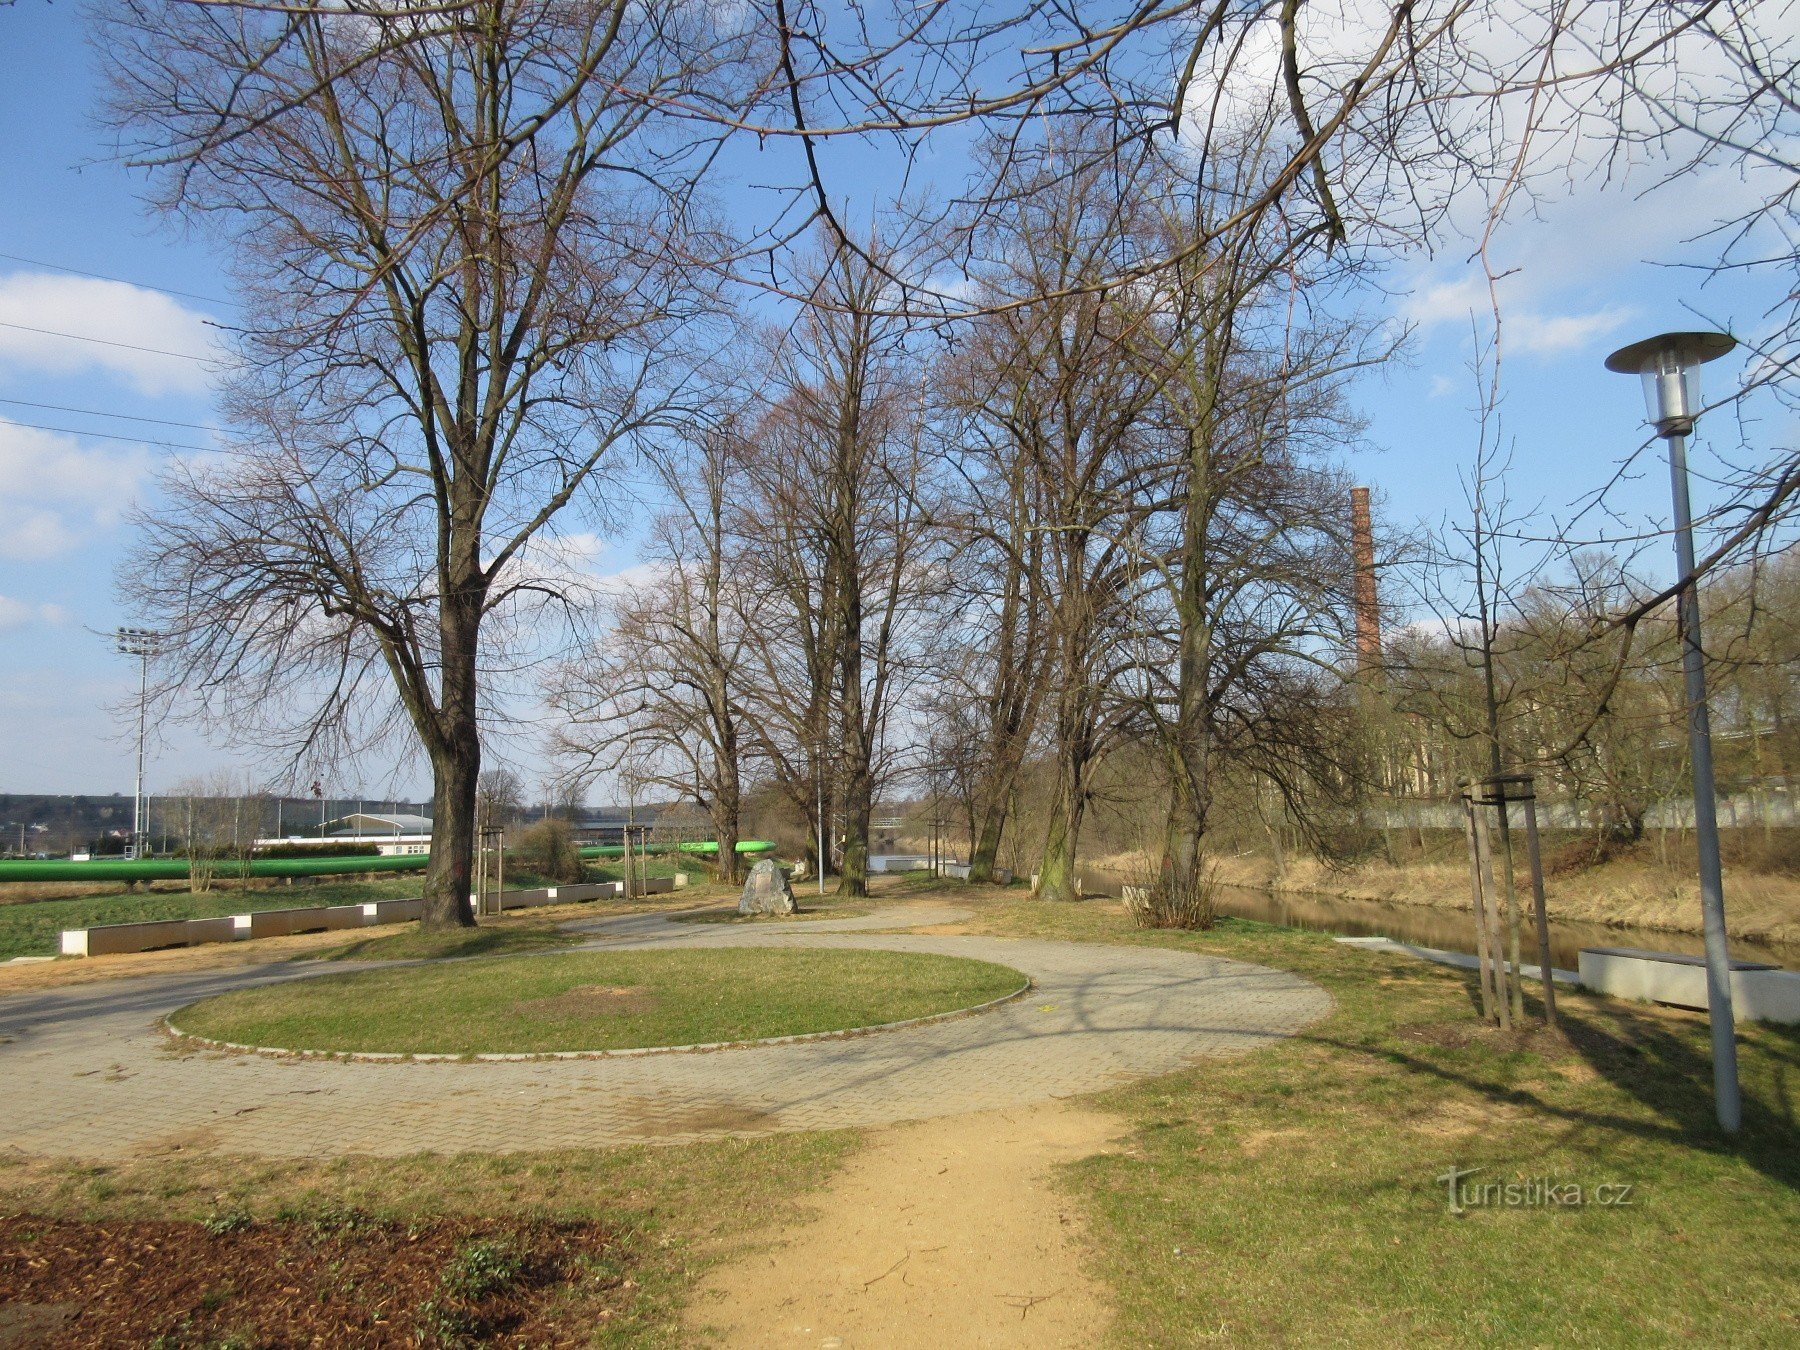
(592, 1000)
(1461, 1034)
(336, 1279)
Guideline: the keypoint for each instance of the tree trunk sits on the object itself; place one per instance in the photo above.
(1056, 871)
(986, 850)
(1189, 748)
(725, 815)
(1186, 829)
(454, 742)
(727, 803)
(858, 807)
(454, 769)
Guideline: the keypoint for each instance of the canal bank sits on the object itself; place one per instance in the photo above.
(1418, 906)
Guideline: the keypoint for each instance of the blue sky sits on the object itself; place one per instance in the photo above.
(1582, 285)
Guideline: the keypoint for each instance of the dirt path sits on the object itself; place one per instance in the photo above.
(946, 1232)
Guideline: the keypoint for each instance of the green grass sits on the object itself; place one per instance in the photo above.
(31, 929)
(1291, 1196)
(597, 1001)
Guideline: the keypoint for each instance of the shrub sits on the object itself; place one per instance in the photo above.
(361, 848)
(548, 849)
(1156, 902)
(483, 1269)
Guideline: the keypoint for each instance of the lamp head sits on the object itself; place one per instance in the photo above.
(1670, 367)
(137, 641)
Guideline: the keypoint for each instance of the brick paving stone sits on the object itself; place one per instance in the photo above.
(90, 1074)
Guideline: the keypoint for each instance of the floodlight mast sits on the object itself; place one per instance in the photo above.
(141, 643)
(1669, 365)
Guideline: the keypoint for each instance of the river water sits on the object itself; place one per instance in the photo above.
(1453, 930)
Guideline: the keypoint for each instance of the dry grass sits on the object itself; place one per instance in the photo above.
(30, 892)
(1626, 892)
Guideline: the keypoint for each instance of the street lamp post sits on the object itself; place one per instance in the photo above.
(1670, 367)
(141, 643)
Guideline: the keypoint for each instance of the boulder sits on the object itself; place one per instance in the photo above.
(766, 890)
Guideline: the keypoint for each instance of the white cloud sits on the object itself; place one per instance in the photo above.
(1550, 334)
(1448, 302)
(61, 493)
(16, 614)
(155, 342)
(636, 577)
(565, 563)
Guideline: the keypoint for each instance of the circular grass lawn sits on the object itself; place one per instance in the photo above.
(597, 1001)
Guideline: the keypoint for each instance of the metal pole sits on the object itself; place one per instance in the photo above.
(819, 783)
(137, 795)
(1706, 818)
(1539, 912)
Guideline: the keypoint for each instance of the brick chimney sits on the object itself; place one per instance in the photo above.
(1368, 605)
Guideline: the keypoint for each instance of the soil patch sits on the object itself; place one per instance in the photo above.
(592, 1000)
(338, 1279)
(944, 1232)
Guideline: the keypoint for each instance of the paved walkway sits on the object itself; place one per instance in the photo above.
(88, 1072)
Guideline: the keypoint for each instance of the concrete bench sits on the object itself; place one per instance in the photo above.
(1759, 992)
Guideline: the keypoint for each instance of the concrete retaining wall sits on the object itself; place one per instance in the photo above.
(899, 862)
(392, 911)
(559, 895)
(309, 919)
(1759, 993)
(109, 939)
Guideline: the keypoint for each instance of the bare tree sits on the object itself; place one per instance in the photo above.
(219, 815)
(842, 548)
(662, 687)
(499, 797)
(1250, 586)
(1066, 399)
(994, 688)
(465, 261)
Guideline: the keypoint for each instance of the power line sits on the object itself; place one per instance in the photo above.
(104, 342)
(104, 435)
(102, 276)
(124, 417)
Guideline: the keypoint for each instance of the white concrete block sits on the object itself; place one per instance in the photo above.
(1759, 992)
